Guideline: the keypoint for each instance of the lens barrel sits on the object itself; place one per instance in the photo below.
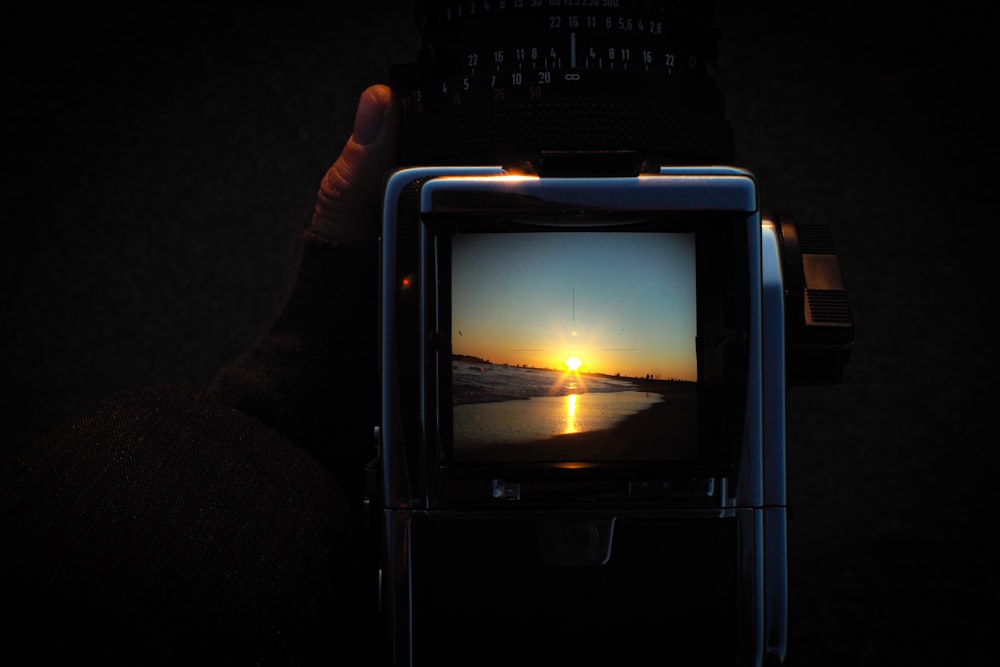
(507, 80)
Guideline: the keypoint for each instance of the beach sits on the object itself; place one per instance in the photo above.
(660, 424)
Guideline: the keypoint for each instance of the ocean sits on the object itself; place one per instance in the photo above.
(497, 404)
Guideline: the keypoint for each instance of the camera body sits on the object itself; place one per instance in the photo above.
(558, 529)
(588, 328)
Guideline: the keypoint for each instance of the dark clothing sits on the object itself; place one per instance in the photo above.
(215, 525)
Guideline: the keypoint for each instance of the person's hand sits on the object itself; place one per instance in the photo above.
(347, 204)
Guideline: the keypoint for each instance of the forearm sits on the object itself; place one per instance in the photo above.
(314, 376)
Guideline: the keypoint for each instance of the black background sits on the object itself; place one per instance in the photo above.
(160, 163)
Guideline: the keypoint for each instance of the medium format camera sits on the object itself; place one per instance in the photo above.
(589, 325)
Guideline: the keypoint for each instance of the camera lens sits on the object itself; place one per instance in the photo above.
(506, 80)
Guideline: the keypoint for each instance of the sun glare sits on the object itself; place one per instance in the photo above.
(574, 364)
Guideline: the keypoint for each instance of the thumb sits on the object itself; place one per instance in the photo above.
(347, 204)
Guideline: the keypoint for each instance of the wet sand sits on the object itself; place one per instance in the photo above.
(666, 430)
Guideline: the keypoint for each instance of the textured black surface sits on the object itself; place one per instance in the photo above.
(159, 165)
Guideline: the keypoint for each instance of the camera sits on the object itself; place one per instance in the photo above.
(588, 328)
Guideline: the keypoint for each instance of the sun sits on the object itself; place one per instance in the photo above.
(573, 364)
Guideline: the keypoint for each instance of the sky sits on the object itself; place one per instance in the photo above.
(621, 303)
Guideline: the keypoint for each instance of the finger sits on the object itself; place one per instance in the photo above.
(347, 204)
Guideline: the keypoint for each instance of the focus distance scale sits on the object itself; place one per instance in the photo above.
(579, 74)
(499, 50)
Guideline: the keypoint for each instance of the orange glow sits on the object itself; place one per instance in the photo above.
(571, 400)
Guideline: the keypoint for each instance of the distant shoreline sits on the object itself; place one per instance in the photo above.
(466, 391)
(479, 361)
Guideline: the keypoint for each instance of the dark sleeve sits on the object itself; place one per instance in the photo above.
(179, 525)
(314, 376)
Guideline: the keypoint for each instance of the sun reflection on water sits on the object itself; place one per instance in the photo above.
(570, 414)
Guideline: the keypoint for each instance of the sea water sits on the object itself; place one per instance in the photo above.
(502, 404)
